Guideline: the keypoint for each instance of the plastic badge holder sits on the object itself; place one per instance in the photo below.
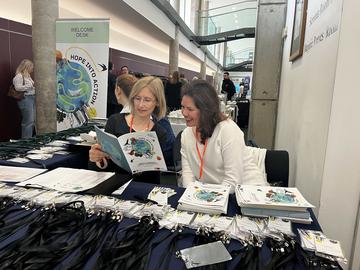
(207, 254)
(158, 211)
(6, 191)
(277, 226)
(27, 194)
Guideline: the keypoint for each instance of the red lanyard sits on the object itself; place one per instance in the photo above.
(201, 157)
(132, 122)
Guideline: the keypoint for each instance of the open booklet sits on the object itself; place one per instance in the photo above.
(134, 152)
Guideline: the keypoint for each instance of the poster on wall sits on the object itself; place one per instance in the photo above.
(82, 53)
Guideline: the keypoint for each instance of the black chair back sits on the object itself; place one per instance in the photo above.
(277, 167)
(176, 152)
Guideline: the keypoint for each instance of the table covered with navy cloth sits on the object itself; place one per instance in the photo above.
(164, 251)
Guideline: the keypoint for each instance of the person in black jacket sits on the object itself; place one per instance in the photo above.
(228, 86)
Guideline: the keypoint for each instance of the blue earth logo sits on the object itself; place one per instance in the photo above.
(73, 86)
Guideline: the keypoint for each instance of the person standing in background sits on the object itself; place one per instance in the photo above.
(112, 104)
(24, 83)
(124, 70)
(173, 92)
(228, 86)
(183, 80)
(242, 92)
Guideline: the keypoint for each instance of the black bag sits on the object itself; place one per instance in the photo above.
(16, 94)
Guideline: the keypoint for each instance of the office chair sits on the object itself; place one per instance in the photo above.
(176, 152)
(176, 167)
(277, 167)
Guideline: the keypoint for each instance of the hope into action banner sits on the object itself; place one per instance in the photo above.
(82, 53)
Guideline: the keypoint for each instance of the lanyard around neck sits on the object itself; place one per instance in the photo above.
(201, 157)
(132, 122)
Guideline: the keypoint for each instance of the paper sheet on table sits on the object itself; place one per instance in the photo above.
(68, 179)
(18, 174)
(121, 189)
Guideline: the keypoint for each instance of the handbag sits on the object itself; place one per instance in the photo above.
(16, 94)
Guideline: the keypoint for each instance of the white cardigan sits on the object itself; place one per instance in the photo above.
(225, 161)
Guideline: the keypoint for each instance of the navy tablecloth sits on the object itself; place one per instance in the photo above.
(139, 191)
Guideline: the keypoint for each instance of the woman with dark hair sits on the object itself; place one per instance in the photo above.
(212, 146)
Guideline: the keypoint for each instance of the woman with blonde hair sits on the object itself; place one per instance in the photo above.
(146, 98)
(24, 83)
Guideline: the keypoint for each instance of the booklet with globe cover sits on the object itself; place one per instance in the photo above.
(205, 198)
(280, 198)
(134, 152)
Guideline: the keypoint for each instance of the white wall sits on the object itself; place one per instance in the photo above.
(306, 92)
(318, 113)
(340, 190)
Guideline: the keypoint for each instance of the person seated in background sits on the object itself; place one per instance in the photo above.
(123, 86)
(146, 98)
(173, 92)
(212, 146)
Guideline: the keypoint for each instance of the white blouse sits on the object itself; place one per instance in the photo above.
(24, 84)
(225, 160)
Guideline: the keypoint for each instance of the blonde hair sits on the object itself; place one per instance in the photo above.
(25, 66)
(156, 87)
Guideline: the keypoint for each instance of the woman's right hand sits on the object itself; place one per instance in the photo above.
(97, 155)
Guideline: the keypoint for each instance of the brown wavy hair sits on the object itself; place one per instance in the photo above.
(207, 102)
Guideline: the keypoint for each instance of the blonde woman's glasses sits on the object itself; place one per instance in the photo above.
(145, 100)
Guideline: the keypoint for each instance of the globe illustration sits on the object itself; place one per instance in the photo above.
(142, 148)
(209, 196)
(73, 86)
(282, 198)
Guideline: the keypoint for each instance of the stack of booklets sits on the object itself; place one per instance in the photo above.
(280, 202)
(205, 198)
